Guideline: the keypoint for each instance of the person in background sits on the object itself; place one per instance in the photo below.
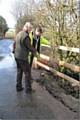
(21, 53)
(36, 40)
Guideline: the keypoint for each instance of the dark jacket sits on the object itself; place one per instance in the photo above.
(23, 46)
(36, 42)
(36, 45)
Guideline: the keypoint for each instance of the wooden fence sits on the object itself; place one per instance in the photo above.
(43, 62)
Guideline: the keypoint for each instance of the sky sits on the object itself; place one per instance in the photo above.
(5, 11)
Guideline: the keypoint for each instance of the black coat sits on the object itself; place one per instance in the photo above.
(36, 43)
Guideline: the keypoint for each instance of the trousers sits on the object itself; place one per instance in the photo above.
(23, 67)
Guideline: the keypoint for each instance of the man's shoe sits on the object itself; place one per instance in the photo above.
(19, 89)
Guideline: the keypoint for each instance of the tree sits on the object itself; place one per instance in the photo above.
(22, 8)
(26, 14)
(3, 26)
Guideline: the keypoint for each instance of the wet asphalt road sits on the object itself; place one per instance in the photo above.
(21, 106)
(15, 105)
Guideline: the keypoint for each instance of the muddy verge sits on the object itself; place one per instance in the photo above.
(60, 89)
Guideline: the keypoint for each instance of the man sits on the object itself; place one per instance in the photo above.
(36, 40)
(22, 49)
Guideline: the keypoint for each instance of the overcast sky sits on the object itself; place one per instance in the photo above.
(5, 11)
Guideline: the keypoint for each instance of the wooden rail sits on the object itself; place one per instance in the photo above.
(69, 49)
(70, 66)
(77, 50)
(45, 59)
(73, 81)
